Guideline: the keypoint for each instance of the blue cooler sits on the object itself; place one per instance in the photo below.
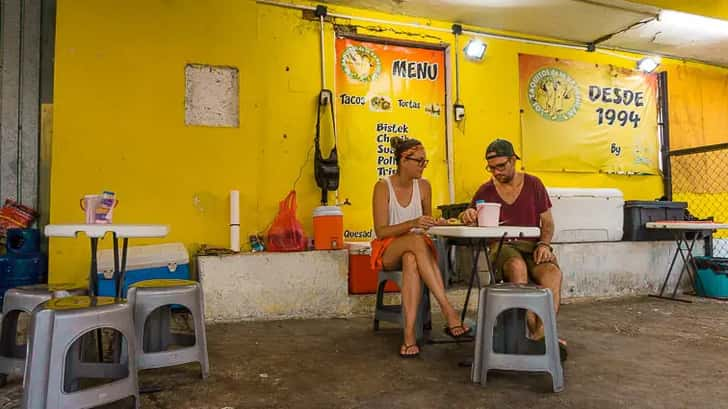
(160, 261)
(712, 280)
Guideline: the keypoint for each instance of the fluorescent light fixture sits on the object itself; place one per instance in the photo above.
(694, 22)
(648, 64)
(475, 50)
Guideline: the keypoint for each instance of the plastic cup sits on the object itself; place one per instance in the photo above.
(488, 214)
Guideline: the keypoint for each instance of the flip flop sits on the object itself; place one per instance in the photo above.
(563, 353)
(449, 331)
(405, 355)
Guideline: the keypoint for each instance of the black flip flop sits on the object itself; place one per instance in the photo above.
(563, 353)
(449, 331)
(538, 346)
(406, 348)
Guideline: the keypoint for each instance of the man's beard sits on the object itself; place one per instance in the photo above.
(504, 178)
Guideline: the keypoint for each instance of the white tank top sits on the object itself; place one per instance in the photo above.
(399, 214)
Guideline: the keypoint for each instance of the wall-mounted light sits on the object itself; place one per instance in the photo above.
(696, 24)
(648, 64)
(475, 50)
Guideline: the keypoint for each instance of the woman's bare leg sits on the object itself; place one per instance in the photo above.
(428, 271)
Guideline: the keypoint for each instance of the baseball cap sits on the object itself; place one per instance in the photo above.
(500, 147)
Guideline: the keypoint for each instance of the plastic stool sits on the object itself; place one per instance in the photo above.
(19, 300)
(54, 359)
(507, 351)
(152, 325)
(395, 313)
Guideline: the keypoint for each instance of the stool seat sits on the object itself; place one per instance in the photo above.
(508, 351)
(162, 283)
(77, 303)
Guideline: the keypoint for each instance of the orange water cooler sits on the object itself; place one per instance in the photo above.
(328, 228)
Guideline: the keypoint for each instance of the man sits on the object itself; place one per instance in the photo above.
(524, 202)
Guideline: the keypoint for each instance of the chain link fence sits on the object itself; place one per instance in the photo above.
(700, 178)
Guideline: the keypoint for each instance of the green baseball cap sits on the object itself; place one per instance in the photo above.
(500, 147)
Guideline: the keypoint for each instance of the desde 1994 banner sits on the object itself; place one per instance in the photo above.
(584, 117)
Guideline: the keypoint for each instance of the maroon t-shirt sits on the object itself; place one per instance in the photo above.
(526, 210)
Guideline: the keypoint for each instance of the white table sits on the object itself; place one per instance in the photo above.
(477, 239)
(681, 230)
(97, 231)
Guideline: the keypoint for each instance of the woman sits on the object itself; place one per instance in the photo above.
(402, 214)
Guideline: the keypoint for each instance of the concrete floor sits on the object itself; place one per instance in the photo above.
(626, 353)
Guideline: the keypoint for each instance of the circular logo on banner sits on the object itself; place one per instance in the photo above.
(553, 94)
(360, 63)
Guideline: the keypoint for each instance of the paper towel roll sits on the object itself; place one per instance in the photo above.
(234, 207)
(234, 220)
(235, 238)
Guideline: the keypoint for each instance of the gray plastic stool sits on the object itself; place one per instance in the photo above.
(19, 300)
(507, 351)
(54, 360)
(152, 324)
(395, 313)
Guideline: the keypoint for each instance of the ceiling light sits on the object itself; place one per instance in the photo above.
(694, 22)
(475, 50)
(648, 64)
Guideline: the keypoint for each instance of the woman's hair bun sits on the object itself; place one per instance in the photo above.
(395, 141)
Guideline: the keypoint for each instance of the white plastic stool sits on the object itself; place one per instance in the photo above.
(497, 299)
(23, 300)
(149, 296)
(54, 355)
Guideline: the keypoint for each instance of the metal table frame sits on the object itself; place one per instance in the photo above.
(685, 246)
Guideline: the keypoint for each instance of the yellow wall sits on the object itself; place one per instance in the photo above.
(119, 119)
(119, 115)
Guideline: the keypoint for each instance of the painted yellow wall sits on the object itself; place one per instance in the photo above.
(119, 115)
(119, 119)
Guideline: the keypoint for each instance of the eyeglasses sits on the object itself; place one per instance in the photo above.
(499, 167)
(421, 162)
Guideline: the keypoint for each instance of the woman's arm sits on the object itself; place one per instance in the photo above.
(426, 193)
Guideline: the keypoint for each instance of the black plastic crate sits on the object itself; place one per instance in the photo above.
(452, 210)
(637, 213)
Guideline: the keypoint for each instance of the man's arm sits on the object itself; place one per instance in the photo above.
(543, 252)
(547, 227)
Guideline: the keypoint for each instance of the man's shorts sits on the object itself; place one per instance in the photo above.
(522, 249)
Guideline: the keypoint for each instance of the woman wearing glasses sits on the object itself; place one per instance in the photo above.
(402, 214)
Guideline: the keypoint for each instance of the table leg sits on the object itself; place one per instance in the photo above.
(122, 274)
(93, 289)
(475, 245)
(688, 260)
(473, 275)
(680, 238)
(93, 282)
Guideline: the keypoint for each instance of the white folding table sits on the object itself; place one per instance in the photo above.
(97, 231)
(681, 230)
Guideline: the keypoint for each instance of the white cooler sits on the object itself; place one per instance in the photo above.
(582, 215)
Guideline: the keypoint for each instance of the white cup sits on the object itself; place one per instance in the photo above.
(488, 214)
(88, 205)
